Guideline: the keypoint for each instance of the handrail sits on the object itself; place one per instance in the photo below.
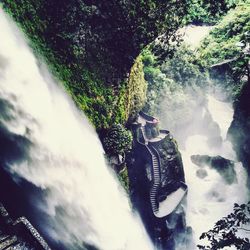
(32, 232)
(141, 136)
(147, 117)
(152, 167)
(156, 177)
(164, 131)
(158, 158)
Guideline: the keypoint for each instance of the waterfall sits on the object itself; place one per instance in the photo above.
(211, 192)
(210, 198)
(199, 120)
(48, 146)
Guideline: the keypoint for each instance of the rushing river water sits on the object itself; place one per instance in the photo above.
(200, 121)
(211, 197)
(54, 157)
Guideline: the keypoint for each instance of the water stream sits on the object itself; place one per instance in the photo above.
(211, 197)
(200, 123)
(52, 154)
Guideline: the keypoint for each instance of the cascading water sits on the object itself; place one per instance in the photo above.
(48, 146)
(200, 121)
(211, 197)
(211, 191)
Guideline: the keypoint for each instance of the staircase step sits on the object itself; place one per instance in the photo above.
(3, 237)
(8, 242)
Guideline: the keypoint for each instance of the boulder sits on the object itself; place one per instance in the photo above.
(223, 166)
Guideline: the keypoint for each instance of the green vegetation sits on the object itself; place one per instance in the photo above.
(169, 79)
(118, 140)
(222, 42)
(228, 231)
(91, 46)
(225, 43)
(208, 11)
(137, 89)
(124, 179)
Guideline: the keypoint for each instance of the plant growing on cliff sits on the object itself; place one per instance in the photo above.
(91, 45)
(169, 78)
(230, 230)
(118, 140)
(208, 11)
(225, 49)
(222, 42)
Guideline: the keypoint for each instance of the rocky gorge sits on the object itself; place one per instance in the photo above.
(125, 66)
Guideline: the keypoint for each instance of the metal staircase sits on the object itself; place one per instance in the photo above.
(156, 182)
(156, 174)
(19, 234)
(8, 241)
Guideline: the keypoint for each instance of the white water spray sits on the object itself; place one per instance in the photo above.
(210, 198)
(82, 202)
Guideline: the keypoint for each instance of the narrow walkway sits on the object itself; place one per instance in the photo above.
(171, 202)
(19, 234)
(156, 168)
(8, 241)
(156, 182)
(143, 121)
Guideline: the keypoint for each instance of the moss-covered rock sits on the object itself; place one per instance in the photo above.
(137, 89)
(90, 46)
(222, 42)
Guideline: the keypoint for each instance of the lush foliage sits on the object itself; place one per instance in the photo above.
(91, 45)
(118, 140)
(227, 41)
(208, 11)
(124, 179)
(222, 43)
(136, 91)
(232, 230)
(170, 78)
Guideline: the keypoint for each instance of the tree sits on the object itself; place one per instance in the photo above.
(91, 45)
(118, 140)
(229, 230)
(208, 11)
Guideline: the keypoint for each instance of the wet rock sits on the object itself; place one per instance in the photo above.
(200, 160)
(223, 166)
(201, 173)
(238, 132)
(214, 195)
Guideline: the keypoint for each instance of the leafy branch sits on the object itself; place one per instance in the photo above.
(225, 232)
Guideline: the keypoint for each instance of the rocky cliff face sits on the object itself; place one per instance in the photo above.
(166, 227)
(240, 127)
(91, 46)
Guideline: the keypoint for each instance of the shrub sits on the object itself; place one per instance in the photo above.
(118, 140)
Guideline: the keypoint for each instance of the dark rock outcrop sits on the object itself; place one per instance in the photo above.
(223, 166)
(159, 151)
(239, 131)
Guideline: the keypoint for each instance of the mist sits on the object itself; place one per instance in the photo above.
(52, 155)
(199, 118)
